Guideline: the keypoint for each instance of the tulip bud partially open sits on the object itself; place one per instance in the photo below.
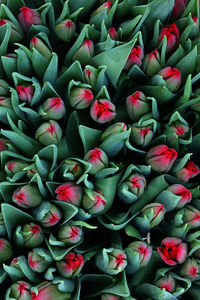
(172, 78)
(98, 160)
(25, 93)
(69, 192)
(70, 266)
(28, 17)
(137, 105)
(102, 111)
(135, 57)
(189, 171)
(49, 133)
(172, 34)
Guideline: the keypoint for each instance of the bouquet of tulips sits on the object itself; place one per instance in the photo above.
(99, 150)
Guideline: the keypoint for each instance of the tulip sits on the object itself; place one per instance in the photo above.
(31, 236)
(6, 250)
(65, 30)
(161, 158)
(20, 290)
(94, 202)
(190, 270)
(49, 291)
(184, 194)
(69, 192)
(189, 171)
(5, 102)
(98, 160)
(151, 63)
(71, 166)
(39, 260)
(154, 212)
(111, 261)
(142, 136)
(113, 34)
(4, 144)
(15, 166)
(135, 58)
(102, 111)
(191, 216)
(179, 7)
(114, 129)
(25, 93)
(179, 128)
(50, 215)
(28, 17)
(105, 6)
(90, 76)
(71, 265)
(144, 251)
(52, 108)
(40, 46)
(172, 34)
(80, 98)
(137, 105)
(172, 78)
(49, 133)
(85, 52)
(111, 297)
(27, 196)
(70, 234)
(172, 251)
(16, 31)
(167, 282)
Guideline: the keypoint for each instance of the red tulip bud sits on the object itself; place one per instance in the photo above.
(102, 111)
(90, 76)
(94, 202)
(69, 192)
(69, 234)
(5, 102)
(16, 31)
(191, 216)
(137, 105)
(111, 297)
(47, 290)
(28, 17)
(39, 260)
(27, 196)
(189, 171)
(49, 133)
(167, 282)
(52, 108)
(32, 234)
(71, 265)
(179, 7)
(145, 252)
(142, 136)
(113, 34)
(151, 63)
(20, 290)
(172, 34)
(181, 191)
(190, 269)
(105, 6)
(85, 52)
(14, 166)
(40, 46)
(172, 78)
(98, 159)
(154, 212)
(80, 98)
(111, 261)
(25, 93)
(65, 30)
(135, 58)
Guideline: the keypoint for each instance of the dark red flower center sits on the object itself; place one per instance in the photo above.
(2, 22)
(192, 168)
(51, 129)
(35, 229)
(194, 271)
(69, 24)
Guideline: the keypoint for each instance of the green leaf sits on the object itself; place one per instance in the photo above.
(90, 137)
(120, 288)
(50, 74)
(72, 135)
(187, 64)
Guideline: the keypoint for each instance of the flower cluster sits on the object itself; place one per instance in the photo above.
(99, 149)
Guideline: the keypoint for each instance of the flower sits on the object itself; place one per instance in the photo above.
(80, 98)
(172, 33)
(52, 108)
(135, 58)
(27, 196)
(50, 216)
(40, 46)
(161, 158)
(172, 78)
(39, 260)
(65, 30)
(184, 194)
(94, 202)
(179, 7)
(71, 166)
(113, 129)
(137, 105)
(90, 76)
(167, 282)
(28, 17)
(190, 269)
(151, 63)
(25, 93)
(15, 166)
(31, 236)
(69, 192)
(189, 171)
(144, 251)
(172, 251)
(102, 111)
(20, 290)
(98, 160)
(142, 136)
(6, 250)
(70, 234)
(49, 291)
(191, 216)
(16, 31)
(154, 212)
(179, 128)
(104, 7)
(113, 34)
(85, 52)
(70, 266)
(49, 133)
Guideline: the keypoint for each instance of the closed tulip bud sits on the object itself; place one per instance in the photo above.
(25, 93)
(39, 260)
(179, 128)
(179, 7)
(151, 63)
(102, 111)
(111, 261)
(71, 265)
(105, 6)
(113, 34)
(52, 108)
(28, 17)
(49, 133)
(71, 166)
(111, 297)
(20, 290)
(16, 31)
(90, 76)
(161, 158)
(40, 47)
(98, 160)
(154, 212)
(135, 58)
(137, 105)
(31, 236)
(5, 102)
(69, 234)
(65, 30)
(172, 34)
(184, 194)
(4, 88)
(172, 251)
(142, 136)
(167, 282)
(69, 192)
(191, 216)
(47, 214)
(138, 255)
(15, 166)
(172, 78)
(189, 171)
(4, 144)
(94, 202)
(190, 269)
(48, 290)
(114, 129)
(27, 196)
(85, 52)
(80, 98)
(6, 250)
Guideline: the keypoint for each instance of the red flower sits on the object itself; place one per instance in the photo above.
(135, 58)
(179, 7)
(172, 78)
(71, 265)
(161, 158)
(151, 63)
(184, 194)
(102, 111)
(172, 251)
(25, 93)
(98, 160)
(137, 105)
(28, 17)
(190, 170)
(69, 192)
(167, 282)
(80, 98)
(172, 34)
(113, 34)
